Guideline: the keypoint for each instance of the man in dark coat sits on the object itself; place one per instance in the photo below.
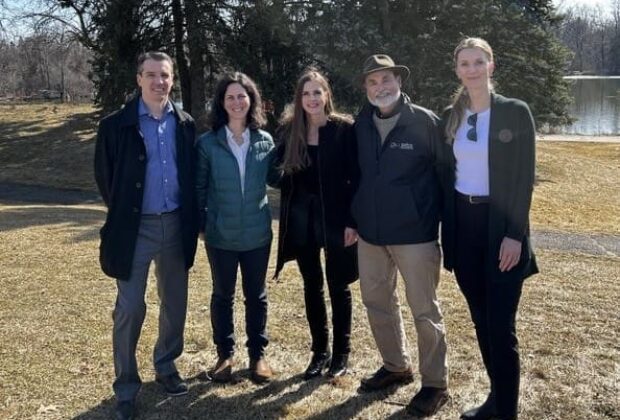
(397, 208)
(144, 168)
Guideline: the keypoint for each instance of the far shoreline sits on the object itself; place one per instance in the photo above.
(579, 138)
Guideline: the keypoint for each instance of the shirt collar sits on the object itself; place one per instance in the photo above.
(245, 135)
(143, 109)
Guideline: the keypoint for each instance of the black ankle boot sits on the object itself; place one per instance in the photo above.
(318, 363)
(338, 367)
(486, 411)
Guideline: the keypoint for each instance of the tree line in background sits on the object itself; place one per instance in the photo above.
(594, 38)
(273, 40)
(45, 65)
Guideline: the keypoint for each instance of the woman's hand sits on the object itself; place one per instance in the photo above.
(350, 236)
(509, 254)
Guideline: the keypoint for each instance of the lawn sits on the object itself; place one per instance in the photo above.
(55, 304)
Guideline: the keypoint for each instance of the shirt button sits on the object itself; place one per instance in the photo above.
(135, 210)
(141, 158)
(164, 162)
(138, 185)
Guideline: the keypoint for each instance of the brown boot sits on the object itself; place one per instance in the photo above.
(260, 372)
(383, 378)
(222, 371)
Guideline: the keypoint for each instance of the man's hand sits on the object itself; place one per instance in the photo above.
(350, 236)
(509, 254)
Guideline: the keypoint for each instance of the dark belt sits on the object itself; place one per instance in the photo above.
(473, 199)
(166, 213)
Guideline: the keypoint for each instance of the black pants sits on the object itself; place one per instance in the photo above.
(224, 265)
(308, 260)
(493, 304)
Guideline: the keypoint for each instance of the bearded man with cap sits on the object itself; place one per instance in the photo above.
(397, 208)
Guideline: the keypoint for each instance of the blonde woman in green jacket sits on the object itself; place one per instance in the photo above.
(235, 161)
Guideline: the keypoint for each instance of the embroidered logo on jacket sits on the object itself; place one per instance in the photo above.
(401, 146)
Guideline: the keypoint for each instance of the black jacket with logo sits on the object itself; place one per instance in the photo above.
(398, 199)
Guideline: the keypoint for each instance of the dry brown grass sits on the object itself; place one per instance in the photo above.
(48, 144)
(578, 189)
(55, 323)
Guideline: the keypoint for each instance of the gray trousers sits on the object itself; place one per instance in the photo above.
(159, 240)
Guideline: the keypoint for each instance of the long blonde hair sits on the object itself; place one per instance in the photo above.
(293, 129)
(460, 99)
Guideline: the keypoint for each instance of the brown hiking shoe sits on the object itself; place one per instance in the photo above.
(428, 401)
(222, 371)
(260, 372)
(383, 378)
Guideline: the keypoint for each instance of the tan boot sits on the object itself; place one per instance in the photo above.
(260, 372)
(222, 371)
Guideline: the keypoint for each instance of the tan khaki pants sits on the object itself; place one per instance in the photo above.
(419, 267)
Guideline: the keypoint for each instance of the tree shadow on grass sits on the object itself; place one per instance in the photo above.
(84, 221)
(61, 155)
(264, 401)
(269, 401)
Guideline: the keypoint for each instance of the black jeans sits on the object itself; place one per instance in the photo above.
(493, 304)
(308, 260)
(224, 266)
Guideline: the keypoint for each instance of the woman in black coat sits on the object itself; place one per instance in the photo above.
(318, 160)
(488, 177)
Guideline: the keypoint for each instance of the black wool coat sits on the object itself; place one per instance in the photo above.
(120, 170)
(511, 181)
(338, 178)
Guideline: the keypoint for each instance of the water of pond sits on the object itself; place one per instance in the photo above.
(596, 106)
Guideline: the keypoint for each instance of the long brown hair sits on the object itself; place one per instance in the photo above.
(293, 124)
(460, 99)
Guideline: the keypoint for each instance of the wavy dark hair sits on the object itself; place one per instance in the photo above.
(218, 116)
(293, 122)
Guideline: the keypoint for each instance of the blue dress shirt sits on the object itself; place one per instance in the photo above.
(161, 185)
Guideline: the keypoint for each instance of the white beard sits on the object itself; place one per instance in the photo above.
(385, 101)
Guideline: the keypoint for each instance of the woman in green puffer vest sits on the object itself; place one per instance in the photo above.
(234, 162)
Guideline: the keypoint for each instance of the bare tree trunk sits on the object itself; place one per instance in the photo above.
(181, 59)
(195, 44)
(384, 11)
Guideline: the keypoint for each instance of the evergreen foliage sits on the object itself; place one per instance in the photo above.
(273, 40)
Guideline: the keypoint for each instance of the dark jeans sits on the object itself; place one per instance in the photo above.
(493, 304)
(224, 266)
(308, 260)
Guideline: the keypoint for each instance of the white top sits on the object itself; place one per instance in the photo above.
(240, 151)
(472, 157)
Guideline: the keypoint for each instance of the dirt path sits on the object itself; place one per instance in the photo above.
(591, 244)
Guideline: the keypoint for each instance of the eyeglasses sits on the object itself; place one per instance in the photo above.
(471, 133)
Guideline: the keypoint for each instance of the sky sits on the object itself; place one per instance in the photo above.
(605, 4)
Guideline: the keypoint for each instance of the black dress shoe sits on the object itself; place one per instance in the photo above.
(173, 384)
(428, 401)
(384, 378)
(338, 366)
(318, 363)
(125, 410)
(486, 411)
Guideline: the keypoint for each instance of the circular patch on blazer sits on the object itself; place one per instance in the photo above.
(505, 135)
